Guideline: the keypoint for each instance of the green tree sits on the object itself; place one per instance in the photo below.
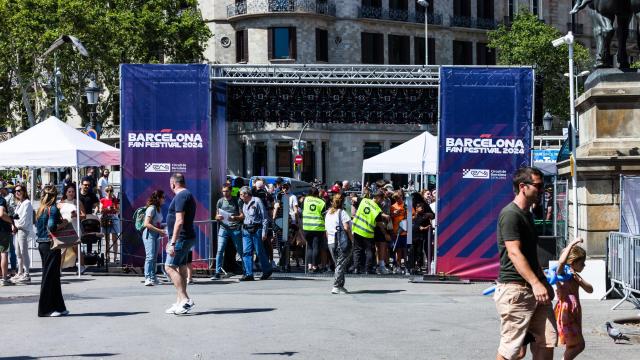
(528, 42)
(113, 32)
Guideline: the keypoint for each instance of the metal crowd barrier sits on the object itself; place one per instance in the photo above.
(623, 267)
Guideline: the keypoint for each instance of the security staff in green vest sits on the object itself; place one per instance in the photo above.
(313, 227)
(367, 218)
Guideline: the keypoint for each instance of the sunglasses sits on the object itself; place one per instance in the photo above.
(17, 190)
(538, 186)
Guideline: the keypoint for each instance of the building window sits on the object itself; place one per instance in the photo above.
(372, 48)
(308, 172)
(535, 8)
(260, 159)
(322, 45)
(462, 53)
(282, 43)
(511, 10)
(399, 50)
(372, 3)
(242, 46)
(284, 160)
(485, 9)
(485, 55)
(369, 150)
(418, 51)
(398, 10)
(462, 8)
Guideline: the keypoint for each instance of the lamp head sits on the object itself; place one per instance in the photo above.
(567, 39)
(423, 3)
(547, 121)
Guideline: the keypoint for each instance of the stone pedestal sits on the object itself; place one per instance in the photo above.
(609, 146)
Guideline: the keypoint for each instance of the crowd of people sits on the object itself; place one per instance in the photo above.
(375, 218)
(19, 221)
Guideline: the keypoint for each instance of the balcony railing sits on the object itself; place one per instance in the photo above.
(471, 22)
(375, 12)
(434, 18)
(253, 7)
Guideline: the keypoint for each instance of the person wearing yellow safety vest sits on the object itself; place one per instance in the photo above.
(368, 218)
(313, 227)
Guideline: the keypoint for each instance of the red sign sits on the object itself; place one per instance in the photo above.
(298, 159)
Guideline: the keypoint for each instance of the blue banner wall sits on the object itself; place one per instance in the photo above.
(165, 128)
(485, 135)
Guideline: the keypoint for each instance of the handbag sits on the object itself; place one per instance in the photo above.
(342, 237)
(63, 238)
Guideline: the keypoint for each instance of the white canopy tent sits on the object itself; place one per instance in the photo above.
(53, 143)
(416, 156)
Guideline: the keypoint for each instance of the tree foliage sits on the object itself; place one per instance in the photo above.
(113, 32)
(528, 42)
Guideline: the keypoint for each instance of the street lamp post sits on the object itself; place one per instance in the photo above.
(425, 4)
(92, 91)
(568, 39)
(298, 148)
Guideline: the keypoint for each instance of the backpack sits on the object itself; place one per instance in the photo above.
(138, 218)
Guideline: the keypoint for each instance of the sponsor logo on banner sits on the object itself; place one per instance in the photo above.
(157, 167)
(475, 173)
(165, 138)
(484, 144)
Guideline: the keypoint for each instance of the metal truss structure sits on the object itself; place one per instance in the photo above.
(321, 75)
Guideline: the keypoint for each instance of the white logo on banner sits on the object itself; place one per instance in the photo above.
(475, 173)
(157, 167)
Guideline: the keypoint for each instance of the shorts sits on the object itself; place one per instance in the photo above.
(401, 243)
(519, 314)
(181, 255)
(5, 241)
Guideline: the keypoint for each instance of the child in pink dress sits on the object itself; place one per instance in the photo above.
(568, 311)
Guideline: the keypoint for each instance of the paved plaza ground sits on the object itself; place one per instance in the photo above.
(115, 317)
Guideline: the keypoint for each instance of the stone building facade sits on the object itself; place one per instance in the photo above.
(352, 32)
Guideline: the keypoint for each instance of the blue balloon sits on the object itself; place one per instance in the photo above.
(551, 274)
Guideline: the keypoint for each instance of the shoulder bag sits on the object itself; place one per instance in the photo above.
(342, 237)
(63, 238)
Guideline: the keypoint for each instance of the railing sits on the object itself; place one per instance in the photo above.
(253, 7)
(471, 22)
(376, 12)
(434, 18)
(623, 266)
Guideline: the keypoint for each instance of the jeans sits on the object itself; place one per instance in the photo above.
(249, 243)
(151, 244)
(223, 236)
(342, 262)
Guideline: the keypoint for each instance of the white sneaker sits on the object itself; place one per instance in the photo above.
(148, 282)
(5, 282)
(185, 307)
(22, 280)
(343, 290)
(172, 309)
(335, 290)
(55, 314)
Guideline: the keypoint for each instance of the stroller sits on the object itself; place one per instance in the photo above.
(92, 234)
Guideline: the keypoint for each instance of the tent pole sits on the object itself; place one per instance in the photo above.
(76, 178)
(32, 185)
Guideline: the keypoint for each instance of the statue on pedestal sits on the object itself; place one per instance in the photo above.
(603, 15)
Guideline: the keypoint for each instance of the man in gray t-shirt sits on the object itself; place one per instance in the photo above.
(229, 219)
(523, 296)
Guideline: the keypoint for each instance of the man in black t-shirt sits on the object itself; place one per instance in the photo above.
(182, 237)
(6, 236)
(523, 296)
(89, 202)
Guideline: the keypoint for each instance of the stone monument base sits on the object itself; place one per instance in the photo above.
(609, 146)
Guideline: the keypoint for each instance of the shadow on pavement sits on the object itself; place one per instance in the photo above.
(234, 311)
(58, 356)
(297, 278)
(284, 353)
(211, 282)
(109, 314)
(375, 291)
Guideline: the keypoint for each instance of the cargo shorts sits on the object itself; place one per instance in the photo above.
(519, 314)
